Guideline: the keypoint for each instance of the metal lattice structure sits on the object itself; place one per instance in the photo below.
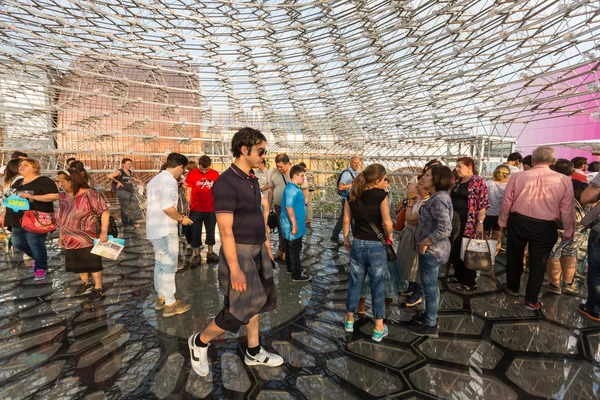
(395, 81)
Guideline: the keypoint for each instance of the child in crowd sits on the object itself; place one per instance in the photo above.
(293, 223)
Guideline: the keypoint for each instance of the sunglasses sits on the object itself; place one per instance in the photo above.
(262, 152)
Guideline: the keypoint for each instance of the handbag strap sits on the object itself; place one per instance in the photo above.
(371, 224)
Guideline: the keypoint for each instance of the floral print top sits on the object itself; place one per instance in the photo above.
(477, 201)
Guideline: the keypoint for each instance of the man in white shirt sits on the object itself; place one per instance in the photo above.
(264, 177)
(513, 162)
(162, 218)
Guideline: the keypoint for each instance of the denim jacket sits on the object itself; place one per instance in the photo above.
(435, 223)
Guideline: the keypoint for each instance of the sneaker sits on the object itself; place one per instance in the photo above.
(304, 277)
(198, 356)
(424, 330)
(591, 315)
(571, 289)
(547, 286)
(348, 325)
(335, 242)
(212, 258)
(264, 358)
(175, 309)
(84, 288)
(378, 335)
(39, 275)
(96, 294)
(32, 268)
(532, 306)
(510, 291)
(289, 271)
(160, 304)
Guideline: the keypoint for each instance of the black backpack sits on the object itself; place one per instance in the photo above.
(272, 222)
(339, 179)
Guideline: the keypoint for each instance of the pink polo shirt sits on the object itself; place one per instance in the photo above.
(542, 194)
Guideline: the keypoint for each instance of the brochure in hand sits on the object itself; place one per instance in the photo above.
(111, 249)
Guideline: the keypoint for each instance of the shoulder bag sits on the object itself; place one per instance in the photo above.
(391, 254)
(112, 224)
(38, 221)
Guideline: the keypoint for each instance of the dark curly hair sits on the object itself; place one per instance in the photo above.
(245, 137)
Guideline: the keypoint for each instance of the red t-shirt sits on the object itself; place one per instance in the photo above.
(201, 184)
(578, 176)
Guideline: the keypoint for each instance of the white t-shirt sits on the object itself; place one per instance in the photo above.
(161, 194)
(495, 196)
(263, 177)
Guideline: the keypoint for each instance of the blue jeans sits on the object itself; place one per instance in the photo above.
(130, 208)
(593, 276)
(367, 257)
(166, 253)
(32, 244)
(428, 272)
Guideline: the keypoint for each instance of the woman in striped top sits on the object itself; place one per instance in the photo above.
(78, 208)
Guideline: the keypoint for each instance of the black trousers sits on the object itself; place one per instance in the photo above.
(281, 246)
(292, 256)
(463, 275)
(541, 236)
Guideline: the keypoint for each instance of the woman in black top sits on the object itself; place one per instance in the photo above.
(123, 185)
(367, 253)
(41, 192)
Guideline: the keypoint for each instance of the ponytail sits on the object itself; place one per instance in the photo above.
(359, 185)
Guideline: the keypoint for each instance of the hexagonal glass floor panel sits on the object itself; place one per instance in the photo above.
(475, 353)
(541, 337)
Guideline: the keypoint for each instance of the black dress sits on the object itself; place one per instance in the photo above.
(460, 202)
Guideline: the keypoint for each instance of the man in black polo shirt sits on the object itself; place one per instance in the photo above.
(245, 269)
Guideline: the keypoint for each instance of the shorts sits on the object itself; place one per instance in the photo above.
(568, 251)
(226, 321)
(491, 222)
(81, 261)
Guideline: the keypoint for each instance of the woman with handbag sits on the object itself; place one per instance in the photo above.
(41, 192)
(470, 201)
(432, 239)
(369, 208)
(78, 209)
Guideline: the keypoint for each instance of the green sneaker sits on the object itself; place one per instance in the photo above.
(378, 335)
(348, 325)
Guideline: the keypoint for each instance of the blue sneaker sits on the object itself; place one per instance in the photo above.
(378, 335)
(348, 325)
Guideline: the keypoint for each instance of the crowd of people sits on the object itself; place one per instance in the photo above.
(536, 202)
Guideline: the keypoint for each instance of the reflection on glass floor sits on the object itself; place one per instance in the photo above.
(56, 346)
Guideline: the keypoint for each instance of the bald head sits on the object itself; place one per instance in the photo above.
(355, 163)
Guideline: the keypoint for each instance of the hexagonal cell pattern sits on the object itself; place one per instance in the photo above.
(320, 388)
(465, 324)
(500, 305)
(541, 337)
(371, 380)
(385, 354)
(564, 310)
(593, 344)
(446, 383)
(564, 379)
(475, 353)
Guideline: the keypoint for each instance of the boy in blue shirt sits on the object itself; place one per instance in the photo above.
(293, 224)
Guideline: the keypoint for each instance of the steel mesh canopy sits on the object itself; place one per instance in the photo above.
(319, 77)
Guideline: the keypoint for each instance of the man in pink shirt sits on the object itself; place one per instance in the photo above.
(533, 201)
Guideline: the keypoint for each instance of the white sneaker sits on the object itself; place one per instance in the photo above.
(264, 358)
(198, 356)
